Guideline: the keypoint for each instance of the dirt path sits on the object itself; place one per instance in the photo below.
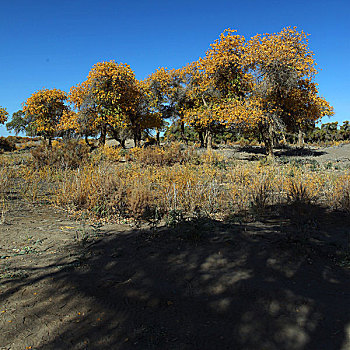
(205, 285)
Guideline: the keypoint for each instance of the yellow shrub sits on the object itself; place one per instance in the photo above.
(112, 153)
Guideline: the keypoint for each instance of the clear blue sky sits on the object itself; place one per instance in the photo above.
(53, 44)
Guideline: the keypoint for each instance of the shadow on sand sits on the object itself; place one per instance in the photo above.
(285, 152)
(269, 284)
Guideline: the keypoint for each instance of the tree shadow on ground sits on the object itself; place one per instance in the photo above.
(299, 152)
(273, 283)
(283, 152)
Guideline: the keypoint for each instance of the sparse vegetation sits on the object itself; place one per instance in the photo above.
(137, 183)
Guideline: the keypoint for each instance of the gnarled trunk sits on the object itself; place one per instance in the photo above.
(201, 139)
(209, 140)
(267, 137)
(137, 137)
(87, 140)
(284, 140)
(103, 135)
(183, 137)
(300, 138)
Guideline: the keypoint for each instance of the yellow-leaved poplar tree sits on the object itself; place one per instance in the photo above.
(217, 87)
(109, 100)
(283, 69)
(44, 109)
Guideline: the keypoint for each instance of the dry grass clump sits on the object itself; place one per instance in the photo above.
(254, 187)
(211, 158)
(261, 194)
(6, 175)
(141, 204)
(338, 196)
(162, 156)
(112, 154)
(68, 154)
(304, 188)
(88, 188)
(35, 184)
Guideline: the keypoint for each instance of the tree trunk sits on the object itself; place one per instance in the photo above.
(201, 139)
(137, 137)
(284, 140)
(269, 147)
(183, 137)
(182, 128)
(158, 137)
(103, 135)
(300, 139)
(209, 140)
(267, 136)
(50, 142)
(87, 141)
(116, 137)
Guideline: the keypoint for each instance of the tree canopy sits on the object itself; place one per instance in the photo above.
(266, 82)
(110, 99)
(3, 115)
(44, 109)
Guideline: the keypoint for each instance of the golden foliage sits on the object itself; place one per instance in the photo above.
(3, 115)
(44, 109)
(243, 83)
(111, 96)
(288, 48)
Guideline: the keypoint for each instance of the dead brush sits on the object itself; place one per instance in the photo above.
(260, 194)
(212, 158)
(162, 156)
(212, 195)
(7, 144)
(31, 184)
(6, 174)
(340, 195)
(97, 190)
(185, 188)
(117, 204)
(65, 155)
(112, 154)
(344, 200)
(297, 192)
(140, 203)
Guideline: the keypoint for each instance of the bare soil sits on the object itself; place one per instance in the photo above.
(338, 155)
(277, 281)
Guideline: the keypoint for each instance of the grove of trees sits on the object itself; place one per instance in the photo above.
(264, 86)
